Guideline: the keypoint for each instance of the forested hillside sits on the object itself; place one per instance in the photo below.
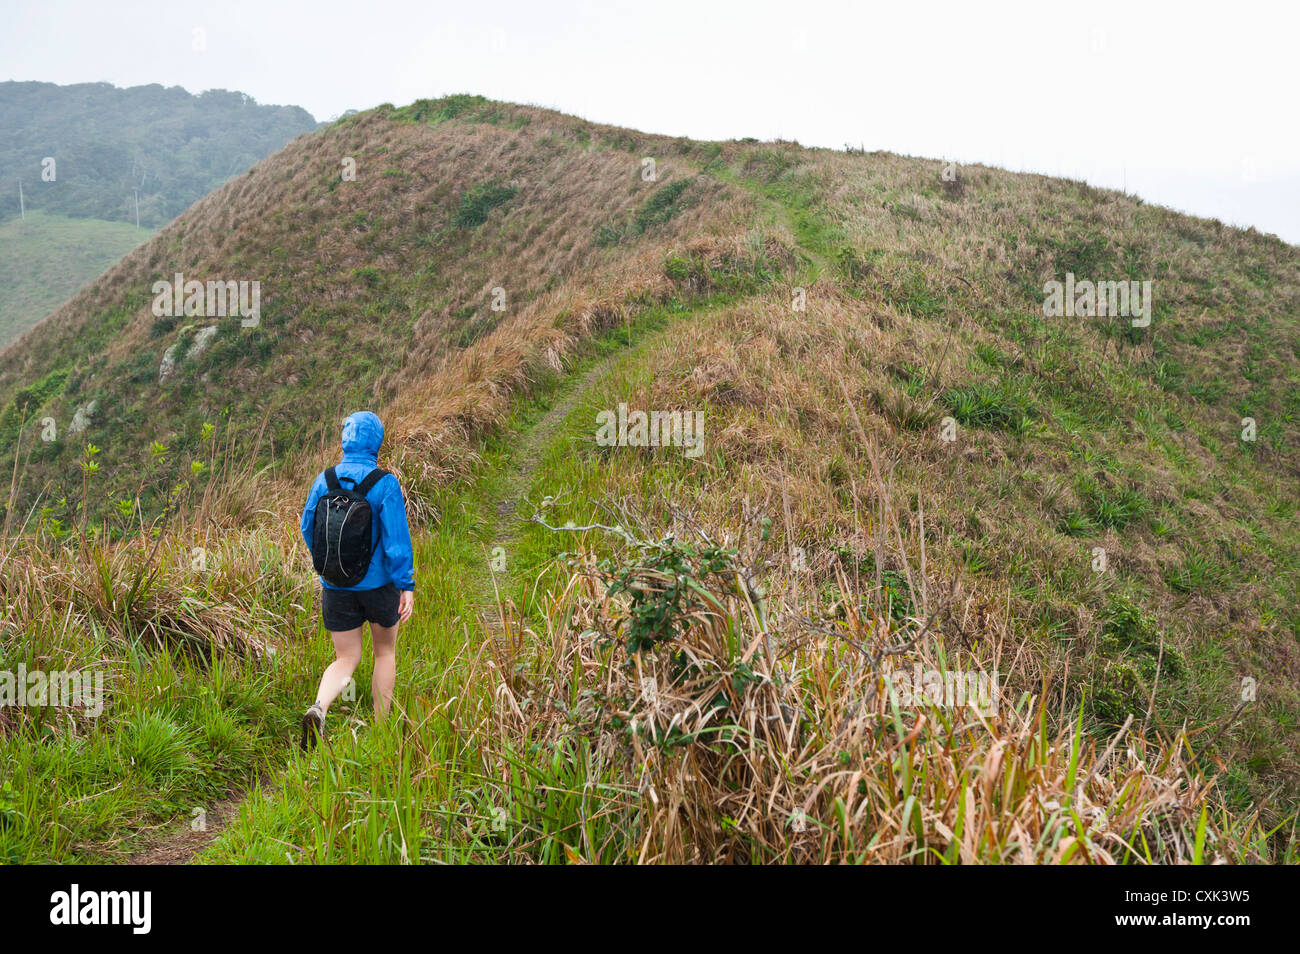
(109, 144)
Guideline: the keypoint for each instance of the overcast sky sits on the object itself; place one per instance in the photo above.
(1186, 105)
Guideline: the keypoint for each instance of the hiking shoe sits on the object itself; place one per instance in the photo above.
(313, 727)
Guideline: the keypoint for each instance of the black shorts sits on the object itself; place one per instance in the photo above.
(343, 610)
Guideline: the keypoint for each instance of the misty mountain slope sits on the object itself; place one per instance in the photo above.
(170, 145)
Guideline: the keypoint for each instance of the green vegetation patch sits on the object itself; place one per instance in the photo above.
(479, 201)
(995, 404)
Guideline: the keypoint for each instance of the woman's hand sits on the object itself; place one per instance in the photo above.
(405, 606)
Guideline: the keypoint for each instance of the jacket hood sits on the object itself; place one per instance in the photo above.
(363, 432)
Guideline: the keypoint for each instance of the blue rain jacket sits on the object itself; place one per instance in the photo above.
(393, 561)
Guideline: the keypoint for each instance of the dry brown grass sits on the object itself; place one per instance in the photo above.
(764, 732)
(160, 592)
(801, 445)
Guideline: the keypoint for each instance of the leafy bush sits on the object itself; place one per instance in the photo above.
(666, 587)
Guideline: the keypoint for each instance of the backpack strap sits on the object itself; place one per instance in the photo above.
(372, 478)
(332, 481)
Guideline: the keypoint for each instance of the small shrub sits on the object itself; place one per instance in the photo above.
(608, 235)
(661, 206)
(668, 584)
(479, 201)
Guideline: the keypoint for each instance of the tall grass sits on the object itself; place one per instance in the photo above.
(634, 723)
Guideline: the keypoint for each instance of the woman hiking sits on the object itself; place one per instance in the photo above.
(354, 523)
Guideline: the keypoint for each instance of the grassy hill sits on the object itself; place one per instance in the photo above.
(46, 258)
(627, 653)
(108, 145)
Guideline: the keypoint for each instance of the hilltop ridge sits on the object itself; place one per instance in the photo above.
(1105, 507)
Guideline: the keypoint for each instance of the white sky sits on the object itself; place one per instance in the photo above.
(1186, 104)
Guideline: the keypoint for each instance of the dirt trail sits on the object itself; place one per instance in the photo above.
(180, 843)
(184, 844)
(523, 464)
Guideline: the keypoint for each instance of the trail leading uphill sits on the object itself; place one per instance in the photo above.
(868, 345)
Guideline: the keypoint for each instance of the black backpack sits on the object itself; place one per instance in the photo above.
(340, 543)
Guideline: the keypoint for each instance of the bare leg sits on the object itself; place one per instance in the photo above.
(347, 653)
(383, 640)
